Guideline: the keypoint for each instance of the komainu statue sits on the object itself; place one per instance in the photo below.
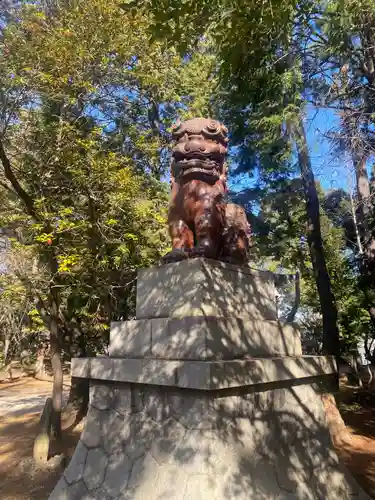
(201, 222)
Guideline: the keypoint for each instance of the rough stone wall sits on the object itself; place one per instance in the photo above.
(151, 442)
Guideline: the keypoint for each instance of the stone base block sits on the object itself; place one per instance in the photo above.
(147, 442)
(202, 337)
(204, 375)
(202, 287)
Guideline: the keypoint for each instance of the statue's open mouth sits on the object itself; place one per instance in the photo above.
(201, 167)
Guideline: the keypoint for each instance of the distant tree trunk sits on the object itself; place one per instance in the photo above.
(356, 370)
(364, 219)
(39, 366)
(331, 340)
(297, 299)
(364, 209)
(6, 348)
(355, 222)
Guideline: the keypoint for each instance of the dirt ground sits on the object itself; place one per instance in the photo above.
(356, 446)
(20, 479)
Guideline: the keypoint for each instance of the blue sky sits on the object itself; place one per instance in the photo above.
(330, 169)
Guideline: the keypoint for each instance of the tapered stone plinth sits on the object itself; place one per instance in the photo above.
(206, 399)
(201, 287)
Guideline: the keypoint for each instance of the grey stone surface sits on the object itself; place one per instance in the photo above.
(77, 491)
(198, 485)
(202, 337)
(135, 333)
(81, 367)
(101, 396)
(190, 411)
(201, 287)
(169, 484)
(97, 494)
(254, 444)
(142, 431)
(210, 375)
(61, 491)
(193, 426)
(122, 400)
(91, 433)
(239, 373)
(74, 471)
(95, 468)
(145, 466)
(167, 439)
(155, 407)
(117, 473)
(140, 371)
(113, 431)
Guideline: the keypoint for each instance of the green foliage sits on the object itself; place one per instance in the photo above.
(283, 247)
(86, 138)
(21, 327)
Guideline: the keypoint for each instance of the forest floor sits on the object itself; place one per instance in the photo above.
(356, 446)
(22, 400)
(21, 403)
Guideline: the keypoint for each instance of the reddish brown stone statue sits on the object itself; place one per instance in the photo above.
(201, 223)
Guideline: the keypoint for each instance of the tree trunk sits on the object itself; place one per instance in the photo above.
(39, 366)
(78, 401)
(43, 437)
(336, 425)
(365, 209)
(356, 371)
(355, 222)
(6, 348)
(297, 299)
(57, 389)
(367, 251)
(331, 340)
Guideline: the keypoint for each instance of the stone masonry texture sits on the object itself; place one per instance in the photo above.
(201, 287)
(150, 442)
(203, 338)
(205, 396)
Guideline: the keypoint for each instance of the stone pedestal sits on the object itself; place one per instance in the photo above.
(208, 397)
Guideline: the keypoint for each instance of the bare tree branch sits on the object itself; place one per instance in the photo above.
(9, 174)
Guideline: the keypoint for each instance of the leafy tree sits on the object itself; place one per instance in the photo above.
(83, 148)
(284, 247)
(342, 77)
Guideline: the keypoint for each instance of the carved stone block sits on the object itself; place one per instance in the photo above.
(201, 287)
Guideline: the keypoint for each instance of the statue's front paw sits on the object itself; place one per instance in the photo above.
(205, 249)
(176, 255)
